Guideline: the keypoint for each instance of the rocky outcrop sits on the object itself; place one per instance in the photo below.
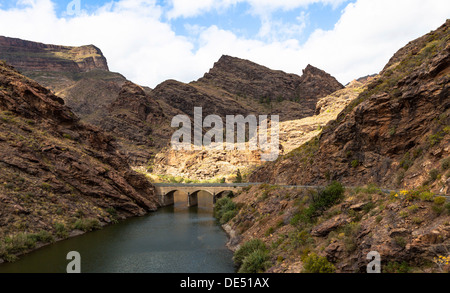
(395, 134)
(139, 122)
(56, 169)
(32, 56)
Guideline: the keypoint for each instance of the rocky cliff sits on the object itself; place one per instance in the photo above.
(395, 134)
(58, 175)
(237, 86)
(32, 56)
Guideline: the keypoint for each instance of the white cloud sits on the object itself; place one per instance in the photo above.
(370, 32)
(139, 44)
(183, 8)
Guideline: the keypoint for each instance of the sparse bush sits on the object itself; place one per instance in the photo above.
(44, 237)
(413, 209)
(355, 163)
(46, 186)
(238, 177)
(87, 225)
(255, 263)
(445, 164)
(426, 196)
(447, 206)
(400, 241)
(61, 230)
(351, 230)
(397, 268)
(434, 174)
(328, 197)
(440, 200)
(406, 162)
(438, 209)
(269, 231)
(300, 238)
(246, 249)
(435, 138)
(315, 264)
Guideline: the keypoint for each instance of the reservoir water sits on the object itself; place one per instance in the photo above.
(175, 239)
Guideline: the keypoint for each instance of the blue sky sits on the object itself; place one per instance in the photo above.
(154, 40)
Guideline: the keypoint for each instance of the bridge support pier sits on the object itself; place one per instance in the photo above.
(192, 199)
(167, 199)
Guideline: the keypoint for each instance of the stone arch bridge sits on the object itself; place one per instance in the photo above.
(166, 191)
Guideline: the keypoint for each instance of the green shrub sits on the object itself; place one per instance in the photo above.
(238, 177)
(46, 186)
(435, 138)
(445, 164)
(447, 206)
(328, 197)
(17, 243)
(315, 264)
(440, 200)
(406, 162)
(61, 230)
(44, 237)
(227, 216)
(426, 196)
(400, 241)
(300, 238)
(351, 231)
(269, 231)
(438, 209)
(413, 209)
(225, 209)
(397, 268)
(87, 225)
(434, 174)
(255, 263)
(355, 163)
(246, 249)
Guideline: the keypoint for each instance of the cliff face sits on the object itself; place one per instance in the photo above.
(32, 56)
(56, 172)
(140, 123)
(395, 134)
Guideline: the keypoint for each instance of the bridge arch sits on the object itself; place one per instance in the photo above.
(166, 192)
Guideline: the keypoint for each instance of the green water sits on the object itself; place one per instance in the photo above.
(175, 239)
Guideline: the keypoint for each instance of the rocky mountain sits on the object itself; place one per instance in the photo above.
(240, 87)
(32, 56)
(236, 86)
(395, 134)
(58, 175)
(208, 164)
(80, 76)
(139, 118)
